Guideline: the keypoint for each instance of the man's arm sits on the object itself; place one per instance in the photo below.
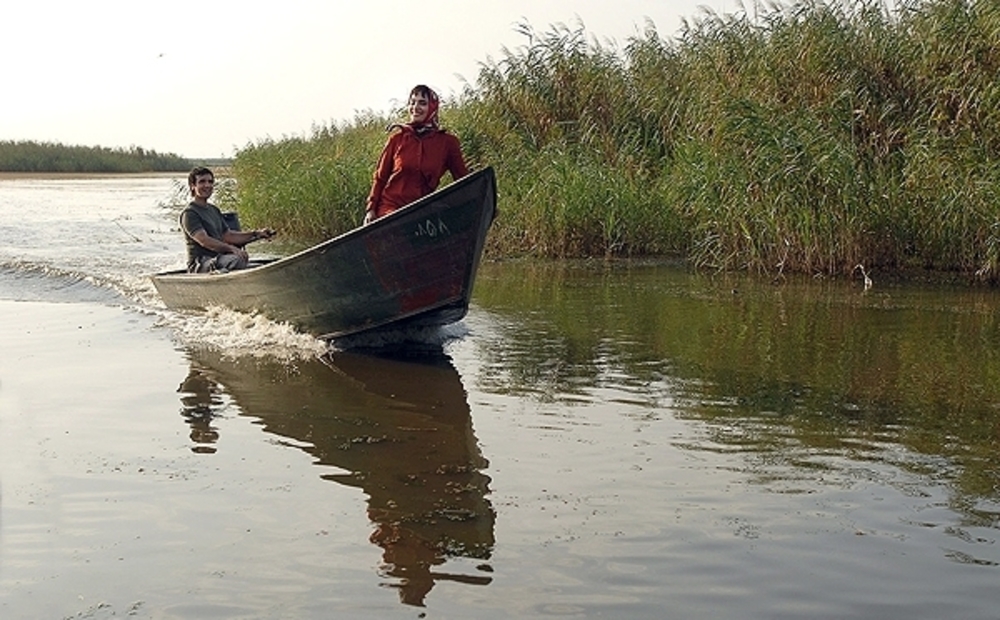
(240, 237)
(219, 247)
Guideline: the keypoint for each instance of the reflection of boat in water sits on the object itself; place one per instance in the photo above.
(400, 429)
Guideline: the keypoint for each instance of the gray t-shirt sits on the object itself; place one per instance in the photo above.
(196, 217)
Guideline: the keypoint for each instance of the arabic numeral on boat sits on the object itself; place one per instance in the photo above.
(429, 228)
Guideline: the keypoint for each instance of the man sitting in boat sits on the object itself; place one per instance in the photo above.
(211, 244)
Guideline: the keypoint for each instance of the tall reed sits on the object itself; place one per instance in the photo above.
(813, 137)
(311, 187)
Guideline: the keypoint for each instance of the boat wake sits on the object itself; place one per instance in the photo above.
(239, 335)
(31, 282)
(233, 334)
(236, 335)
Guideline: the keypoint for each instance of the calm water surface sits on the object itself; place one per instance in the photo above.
(594, 440)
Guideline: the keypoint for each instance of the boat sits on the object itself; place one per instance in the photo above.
(412, 268)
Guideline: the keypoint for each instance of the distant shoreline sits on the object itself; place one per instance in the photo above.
(85, 175)
(220, 171)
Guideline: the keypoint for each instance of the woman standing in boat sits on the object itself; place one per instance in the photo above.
(415, 158)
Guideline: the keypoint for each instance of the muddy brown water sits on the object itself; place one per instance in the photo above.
(594, 440)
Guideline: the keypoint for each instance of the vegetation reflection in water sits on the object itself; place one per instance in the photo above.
(399, 429)
(802, 387)
(803, 377)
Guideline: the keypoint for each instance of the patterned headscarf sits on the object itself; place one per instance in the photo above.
(433, 102)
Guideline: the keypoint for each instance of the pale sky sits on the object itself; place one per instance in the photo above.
(202, 79)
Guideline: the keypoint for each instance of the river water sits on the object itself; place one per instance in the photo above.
(625, 440)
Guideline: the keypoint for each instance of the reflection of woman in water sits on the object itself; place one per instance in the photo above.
(427, 493)
(407, 443)
(423, 471)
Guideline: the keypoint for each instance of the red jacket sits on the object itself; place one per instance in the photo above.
(411, 166)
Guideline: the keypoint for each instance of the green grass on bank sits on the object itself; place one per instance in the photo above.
(30, 156)
(809, 138)
(311, 187)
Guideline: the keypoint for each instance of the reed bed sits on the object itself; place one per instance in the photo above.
(811, 138)
(312, 186)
